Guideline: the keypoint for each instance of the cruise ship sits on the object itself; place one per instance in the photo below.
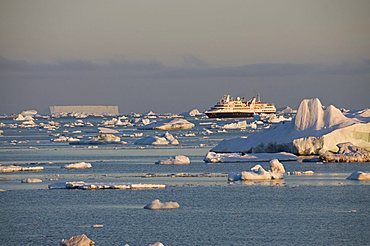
(228, 107)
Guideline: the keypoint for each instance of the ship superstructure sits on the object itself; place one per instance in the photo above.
(228, 107)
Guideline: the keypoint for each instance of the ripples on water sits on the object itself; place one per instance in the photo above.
(323, 209)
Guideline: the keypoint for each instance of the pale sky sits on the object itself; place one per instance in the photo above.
(184, 53)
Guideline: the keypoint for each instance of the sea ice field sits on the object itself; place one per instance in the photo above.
(320, 209)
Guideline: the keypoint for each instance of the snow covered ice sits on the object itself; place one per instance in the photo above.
(313, 131)
(259, 173)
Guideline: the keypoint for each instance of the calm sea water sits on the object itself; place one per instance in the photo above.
(323, 209)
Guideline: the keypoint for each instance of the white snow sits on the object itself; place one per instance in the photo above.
(157, 204)
(358, 175)
(213, 157)
(169, 124)
(78, 165)
(179, 159)
(313, 130)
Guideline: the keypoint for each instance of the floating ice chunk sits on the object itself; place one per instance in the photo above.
(97, 226)
(213, 157)
(156, 244)
(6, 169)
(105, 130)
(65, 139)
(179, 159)
(259, 173)
(277, 169)
(237, 125)
(107, 138)
(98, 185)
(147, 186)
(31, 180)
(30, 112)
(169, 124)
(157, 204)
(145, 122)
(78, 165)
(78, 240)
(358, 175)
(194, 112)
(152, 140)
(166, 138)
(300, 173)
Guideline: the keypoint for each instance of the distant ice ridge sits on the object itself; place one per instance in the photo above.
(312, 131)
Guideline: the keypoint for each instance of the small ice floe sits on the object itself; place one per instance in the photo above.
(194, 112)
(190, 134)
(105, 130)
(1, 132)
(109, 138)
(145, 122)
(300, 173)
(179, 159)
(207, 132)
(259, 173)
(97, 226)
(237, 125)
(213, 157)
(156, 244)
(164, 139)
(31, 180)
(157, 204)
(347, 153)
(78, 165)
(12, 168)
(358, 175)
(137, 135)
(28, 124)
(169, 124)
(81, 185)
(78, 240)
(65, 139)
